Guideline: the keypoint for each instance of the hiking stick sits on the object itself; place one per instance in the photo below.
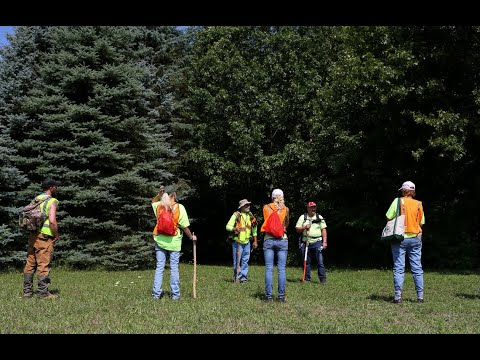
(305, 262)
(194, 268)
(238, 260)
(305, 258)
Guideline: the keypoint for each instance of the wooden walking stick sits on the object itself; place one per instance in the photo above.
(194, 268)
(238, 260)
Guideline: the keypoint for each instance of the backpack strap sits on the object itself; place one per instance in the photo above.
(317, 218)
(40, 202)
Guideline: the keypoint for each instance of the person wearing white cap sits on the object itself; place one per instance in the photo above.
(412, 242)
(276, 216)
(244, 226)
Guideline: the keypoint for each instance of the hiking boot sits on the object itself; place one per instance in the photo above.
(397, 301)
(42, 288)
(27, 285)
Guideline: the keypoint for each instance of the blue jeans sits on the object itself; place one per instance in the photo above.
(314, 251)
(244, 256)
(161, 255)
(413, 247)
(270, 248)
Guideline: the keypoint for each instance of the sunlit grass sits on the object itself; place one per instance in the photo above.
(352, 302)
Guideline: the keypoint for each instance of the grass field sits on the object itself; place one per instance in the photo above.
(353, 302)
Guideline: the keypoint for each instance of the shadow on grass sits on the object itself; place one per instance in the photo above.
(259, 294)
(468, 296)
(385, 298)
(376, 297)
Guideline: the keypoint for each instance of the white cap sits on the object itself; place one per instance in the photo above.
(276, 192)
(407, 185)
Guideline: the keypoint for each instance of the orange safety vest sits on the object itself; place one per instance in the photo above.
(413, 211)
(268, 210)
(176, 215)
(238, 218)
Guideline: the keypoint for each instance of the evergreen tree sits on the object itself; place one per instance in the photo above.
(17, 71)
(97, 119)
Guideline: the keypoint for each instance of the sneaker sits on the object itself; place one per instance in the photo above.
(282, 300)
(397, 301)
(420, 300)
(243, 281)
(269, 299)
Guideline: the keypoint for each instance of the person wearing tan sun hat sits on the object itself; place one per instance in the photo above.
(243, 227)
(411, 243)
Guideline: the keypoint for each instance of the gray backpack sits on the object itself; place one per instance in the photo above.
(31, 217)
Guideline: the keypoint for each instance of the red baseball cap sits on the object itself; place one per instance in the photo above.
(311, 203)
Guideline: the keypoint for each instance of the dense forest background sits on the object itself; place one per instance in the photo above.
(339, 115)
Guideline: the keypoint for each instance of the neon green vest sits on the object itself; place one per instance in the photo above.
(45, 207)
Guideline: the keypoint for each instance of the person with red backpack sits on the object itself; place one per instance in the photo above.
(243, 226)
(276, 215)
(172, 222)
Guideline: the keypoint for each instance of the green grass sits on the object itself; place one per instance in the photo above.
(352, 302)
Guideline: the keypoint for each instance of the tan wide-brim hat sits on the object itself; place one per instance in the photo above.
(243, 202)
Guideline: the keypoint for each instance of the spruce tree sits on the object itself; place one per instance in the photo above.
(98, 123)
(17, 72)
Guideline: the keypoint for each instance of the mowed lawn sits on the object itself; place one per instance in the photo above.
(354, 301)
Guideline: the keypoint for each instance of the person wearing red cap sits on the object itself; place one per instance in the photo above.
(411, 243)
(313, 228)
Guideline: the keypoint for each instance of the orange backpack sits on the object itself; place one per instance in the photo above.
(167, 220)
(273, 225)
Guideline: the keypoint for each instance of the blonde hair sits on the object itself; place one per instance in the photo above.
(166, 202)
(279, 202)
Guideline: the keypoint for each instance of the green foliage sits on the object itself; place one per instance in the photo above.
(338, 115)
(341, 116)
(97, 118)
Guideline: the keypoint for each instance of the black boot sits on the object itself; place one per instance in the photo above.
(27, 285)
(43, 284)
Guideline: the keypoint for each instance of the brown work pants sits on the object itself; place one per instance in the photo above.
(39, 254)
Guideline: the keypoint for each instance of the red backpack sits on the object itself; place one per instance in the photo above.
(167, 221)
(274, 226)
